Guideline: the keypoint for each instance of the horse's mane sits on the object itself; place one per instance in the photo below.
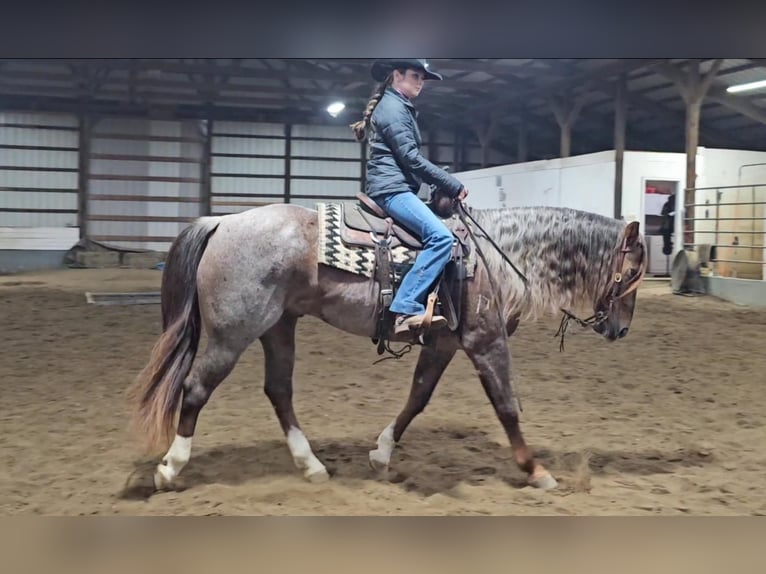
(565, 254)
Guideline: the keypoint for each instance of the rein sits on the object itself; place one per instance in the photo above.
(463, 215)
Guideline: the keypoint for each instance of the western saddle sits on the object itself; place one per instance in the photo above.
(367, 225)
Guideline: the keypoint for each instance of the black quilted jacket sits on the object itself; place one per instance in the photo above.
(395, 163)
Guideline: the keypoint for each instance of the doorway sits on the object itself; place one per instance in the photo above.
(659, 219)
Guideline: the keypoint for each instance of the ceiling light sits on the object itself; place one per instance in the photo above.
(746, 87)
(335, 108)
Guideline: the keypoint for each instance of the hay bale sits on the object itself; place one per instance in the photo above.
(97, 259)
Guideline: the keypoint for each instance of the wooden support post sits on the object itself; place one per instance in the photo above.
(456, 151)
(521, 146)
(463, 151)
(566, 112)
(433, 149)
(288, 159)
(485, 131)
(620, 120)
(83, 171)
(693, 89)
(565, 145)
(206, 187)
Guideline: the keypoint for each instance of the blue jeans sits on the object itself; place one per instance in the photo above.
(409, 211)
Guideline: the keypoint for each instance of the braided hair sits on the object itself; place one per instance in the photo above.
(360, 128)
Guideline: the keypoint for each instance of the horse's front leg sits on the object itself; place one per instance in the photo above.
(491, 358)
(432, 362)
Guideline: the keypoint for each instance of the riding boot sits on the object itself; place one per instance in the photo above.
(406, 323)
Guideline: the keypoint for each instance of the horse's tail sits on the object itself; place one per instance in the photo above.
(156, 392)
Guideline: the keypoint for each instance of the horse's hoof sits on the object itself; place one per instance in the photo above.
(543, 481)
(166, 480)
(378, 461)
(317, 476)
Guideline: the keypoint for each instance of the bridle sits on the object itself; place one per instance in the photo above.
(617, 289)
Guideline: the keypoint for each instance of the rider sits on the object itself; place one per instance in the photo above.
(395, 171)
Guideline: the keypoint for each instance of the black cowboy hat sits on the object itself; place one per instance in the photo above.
(383, 67)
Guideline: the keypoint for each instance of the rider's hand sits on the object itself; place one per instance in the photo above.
(462, 195)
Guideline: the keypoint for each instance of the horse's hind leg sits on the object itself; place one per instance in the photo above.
(279, 351)
(432, 362)
(492, 361)
(208, 371)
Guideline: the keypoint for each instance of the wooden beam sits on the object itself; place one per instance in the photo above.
(620, 123)
(563, 85)
(743, 106)
(288, 160)
(693, 88)
(83, 171)
(206, 169)
(521, 146)
(566, 112)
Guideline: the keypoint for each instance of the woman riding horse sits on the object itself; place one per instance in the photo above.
(395, 171)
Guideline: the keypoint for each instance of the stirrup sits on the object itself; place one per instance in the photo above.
(413, 323)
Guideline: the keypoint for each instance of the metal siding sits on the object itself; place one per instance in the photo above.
(266, 139)
(106, 141)
(324, 187)
(310, 203)
(322, 131)
(349, 150)
(252, 186)
(302, 167)
(29, 177)
(223, 144)
(38, 219)
(222, 205)
(248, 128)
(38, 179)
(48, 119)
(248, 165)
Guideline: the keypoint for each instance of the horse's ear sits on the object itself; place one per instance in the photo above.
(631, 234)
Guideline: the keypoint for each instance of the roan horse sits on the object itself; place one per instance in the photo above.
(249, 276)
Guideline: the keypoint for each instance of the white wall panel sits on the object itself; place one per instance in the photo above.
(323, 187)
(325, 168)
(38, 137)
(38, 179)
(306, 148)
(138, 173)
(38, 118)
(39, 158)
(31, 200)
(248, 128)
(254, 186)
(38, 169)
(248, 165)
(37, 219)
(322, 131)
(38, 238)
(223, 144)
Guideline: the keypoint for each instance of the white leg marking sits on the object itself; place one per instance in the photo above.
(303, 457)
(173, 462)
(381, 457)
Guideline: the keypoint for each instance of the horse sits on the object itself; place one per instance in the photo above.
(251, 275)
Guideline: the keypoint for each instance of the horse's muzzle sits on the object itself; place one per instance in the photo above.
(623, 332)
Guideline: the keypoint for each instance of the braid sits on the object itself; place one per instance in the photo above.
(360, 127)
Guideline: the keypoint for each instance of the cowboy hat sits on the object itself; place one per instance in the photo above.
(383, 67)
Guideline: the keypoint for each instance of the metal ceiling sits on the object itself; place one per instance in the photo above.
(475, 91)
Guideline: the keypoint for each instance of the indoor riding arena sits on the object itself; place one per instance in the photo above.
(667, 420)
